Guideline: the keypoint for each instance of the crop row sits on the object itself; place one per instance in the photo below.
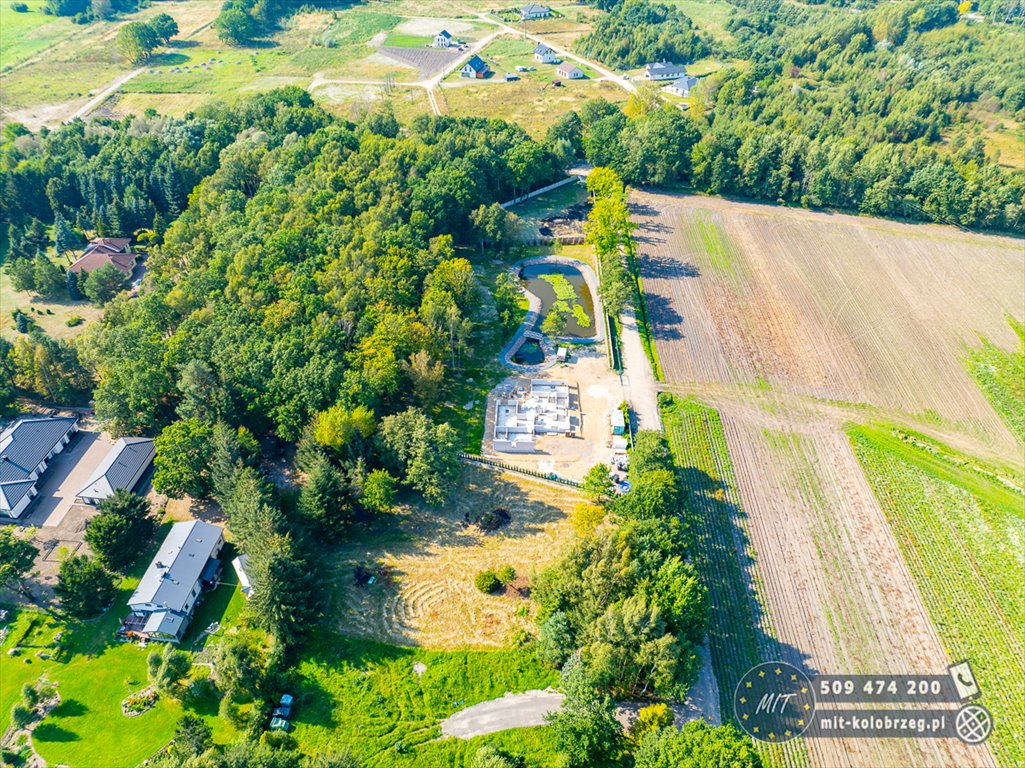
(966, 555)
(737, 634)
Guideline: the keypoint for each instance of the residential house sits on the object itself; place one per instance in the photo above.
(443, 39)
(534, 11)
(544, 54)
(569, 71)
(476, 67)
(663, 70)
(681, 86)
(26, 448)
(186, 564)
(104, 251)
(121, 469)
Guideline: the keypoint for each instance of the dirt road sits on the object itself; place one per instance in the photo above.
(640, 389)
(514, 710)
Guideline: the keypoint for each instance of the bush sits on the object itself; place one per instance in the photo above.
(486, 581)
(506, 575)
(21, 715)
(19, 7)
(74, 320)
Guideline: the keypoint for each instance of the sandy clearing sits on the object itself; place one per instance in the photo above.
(432, 26)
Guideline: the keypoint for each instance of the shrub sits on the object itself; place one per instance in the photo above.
(21, 715)
(74, 320)
(506, 575)
(19, 7)
(486, 581)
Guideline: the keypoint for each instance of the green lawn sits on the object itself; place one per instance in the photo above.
(50, 315)
(403, 40)
(959, 524)
(366, 695)
(708, 15)
(23, 34)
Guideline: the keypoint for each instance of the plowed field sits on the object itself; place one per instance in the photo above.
(791, 324)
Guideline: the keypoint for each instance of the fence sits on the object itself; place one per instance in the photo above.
(550, 240)
(536, 192)
(549, 476)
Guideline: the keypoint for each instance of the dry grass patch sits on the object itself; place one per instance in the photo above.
(428, 597)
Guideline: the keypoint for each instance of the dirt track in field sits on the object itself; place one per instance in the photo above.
(791, 323)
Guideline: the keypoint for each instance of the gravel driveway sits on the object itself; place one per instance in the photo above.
(514, 710)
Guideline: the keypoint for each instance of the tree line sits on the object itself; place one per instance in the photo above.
(637, 32)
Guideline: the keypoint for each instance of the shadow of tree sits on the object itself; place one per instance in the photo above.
(54, 733)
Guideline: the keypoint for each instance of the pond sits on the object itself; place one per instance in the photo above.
(529, 353)
(567, 308)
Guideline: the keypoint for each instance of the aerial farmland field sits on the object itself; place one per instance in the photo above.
(791, 325)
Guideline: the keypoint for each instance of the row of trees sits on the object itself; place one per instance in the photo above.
(608, 229)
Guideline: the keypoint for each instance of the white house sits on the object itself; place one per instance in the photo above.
(26, 448)
(443, 39)
(569, 71)
(681, 86)
(476, 67)
(662, 70)
(544, 54)
(120, 469)
(534, 11)
(163, 603)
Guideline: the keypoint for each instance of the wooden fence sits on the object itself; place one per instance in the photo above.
(551, 477)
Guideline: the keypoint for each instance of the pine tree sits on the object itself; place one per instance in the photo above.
(71, 281)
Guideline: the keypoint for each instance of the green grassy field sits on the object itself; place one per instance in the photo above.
(403, 40)
(51, 315)
(25, 34)
(708, 15)
(1001, 375)
(366, 694)
(960, 525)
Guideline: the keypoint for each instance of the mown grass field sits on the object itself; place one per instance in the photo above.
(366, 694)
(960, 525)
(24, 34)
(51, 315)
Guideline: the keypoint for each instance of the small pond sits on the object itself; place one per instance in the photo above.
(529, 353)
(561, 288)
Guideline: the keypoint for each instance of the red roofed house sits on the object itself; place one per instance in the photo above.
(103, 251)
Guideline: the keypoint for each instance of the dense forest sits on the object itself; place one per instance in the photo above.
(871, 112)
(637, 31)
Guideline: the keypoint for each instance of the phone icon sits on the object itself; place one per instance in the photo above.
(964, 680)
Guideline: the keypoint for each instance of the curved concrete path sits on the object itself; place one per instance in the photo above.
(534, 314)
(514, 710)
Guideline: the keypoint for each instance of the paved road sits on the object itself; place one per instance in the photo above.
(514, 710)
(640, 389)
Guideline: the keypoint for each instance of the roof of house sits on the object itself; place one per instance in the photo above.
(117, 243)
(543, 49)
(13, 492)
(164, 623)
(535, 8)
(476, 63)
(25, 443)
(101, 256)
(687, 81)
(444, 33)
(664, 67)
(566, 69)
(178, 565)
(119, 468)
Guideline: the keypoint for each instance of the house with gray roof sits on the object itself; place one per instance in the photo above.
(186, 564)
(544, 54)
(26, 448)
(534, 11)
(681, 86)
(663, 70)
(476, 68)
(121, 469)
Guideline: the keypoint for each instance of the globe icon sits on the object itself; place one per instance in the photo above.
(973, 724)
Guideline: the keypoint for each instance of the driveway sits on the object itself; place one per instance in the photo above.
(67, 473)
(514, 710)
(640, 389)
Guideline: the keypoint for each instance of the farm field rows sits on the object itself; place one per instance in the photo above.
(968, 561)
(791, 325)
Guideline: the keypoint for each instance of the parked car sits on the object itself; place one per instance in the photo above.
(278, 724)
(283, 712)
(285, 701)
